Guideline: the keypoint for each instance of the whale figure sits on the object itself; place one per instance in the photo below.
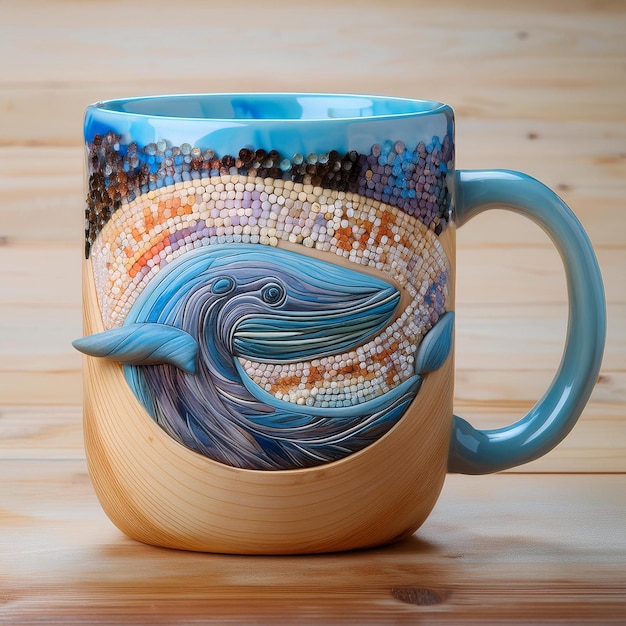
(186, 337)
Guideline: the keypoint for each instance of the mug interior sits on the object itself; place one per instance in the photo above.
(271, 106)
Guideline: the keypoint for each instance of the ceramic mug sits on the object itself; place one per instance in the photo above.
(269, 317)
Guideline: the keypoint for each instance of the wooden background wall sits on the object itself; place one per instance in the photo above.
(538, 86)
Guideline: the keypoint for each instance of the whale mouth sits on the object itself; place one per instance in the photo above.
(288, 336)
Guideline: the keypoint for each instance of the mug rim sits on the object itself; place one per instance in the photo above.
(364, 104)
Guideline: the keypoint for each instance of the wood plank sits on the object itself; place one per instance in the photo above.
(526, 336)
(504, 547)
(498, 346)
(528, 275)
(501, 388)
(597, 443)
(487, 342)
(522, 276)
(32, 386)
(41, 186)
(41, 195)
(573, 69)
(41, 432)
(40, 275)
(40, 314)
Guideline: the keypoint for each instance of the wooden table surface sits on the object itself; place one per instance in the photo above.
(539, 88)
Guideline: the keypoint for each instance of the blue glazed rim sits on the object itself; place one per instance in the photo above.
(271, 121)
(288, 128)
(341, 107)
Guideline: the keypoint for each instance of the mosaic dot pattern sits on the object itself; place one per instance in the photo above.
(413, 180)
(146, 234)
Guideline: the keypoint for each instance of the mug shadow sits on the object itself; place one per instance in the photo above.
(386, 566)
(412, 571)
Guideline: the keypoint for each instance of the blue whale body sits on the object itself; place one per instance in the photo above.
(183, 337)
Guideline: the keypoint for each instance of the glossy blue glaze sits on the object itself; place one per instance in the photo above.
(474, 451)
(288, 122)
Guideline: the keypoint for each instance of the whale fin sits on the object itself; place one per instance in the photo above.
(436, 345)
(143, 344)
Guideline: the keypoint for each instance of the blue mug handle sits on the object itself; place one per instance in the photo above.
(474, 451)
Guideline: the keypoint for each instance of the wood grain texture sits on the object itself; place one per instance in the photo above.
(537, 86)
(496, 549)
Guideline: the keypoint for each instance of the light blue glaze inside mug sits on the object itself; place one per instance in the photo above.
(277, 106)
(290, 123)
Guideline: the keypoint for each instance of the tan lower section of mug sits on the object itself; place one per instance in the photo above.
(158, 492)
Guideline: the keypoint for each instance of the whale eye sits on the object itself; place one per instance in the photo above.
(223, 285)
(272, 293)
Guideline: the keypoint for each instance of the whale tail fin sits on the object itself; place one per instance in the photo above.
(436, 345)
